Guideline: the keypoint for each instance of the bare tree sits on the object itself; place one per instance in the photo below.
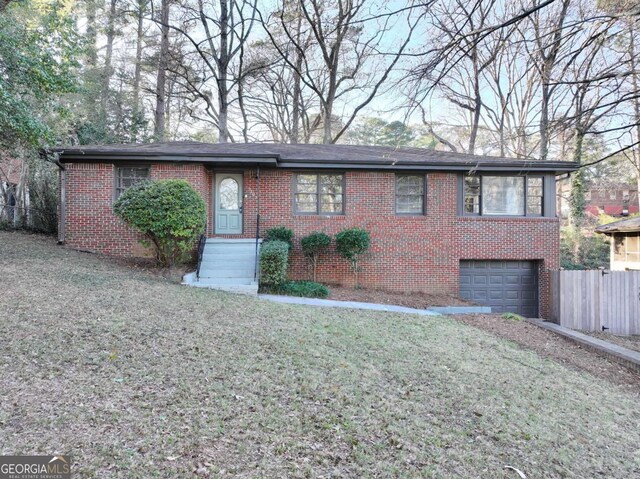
(351, 65)
(216, 34)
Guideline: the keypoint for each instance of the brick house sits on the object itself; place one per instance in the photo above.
(482, 227)
(618, 200)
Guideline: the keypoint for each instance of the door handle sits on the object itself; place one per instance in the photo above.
(240, 209)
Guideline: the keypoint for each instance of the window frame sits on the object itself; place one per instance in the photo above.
(623, 239)
(117, 190)
(424, 194)
(462, 196)
(318, 174)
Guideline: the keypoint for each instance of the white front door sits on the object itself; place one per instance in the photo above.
(228, 203)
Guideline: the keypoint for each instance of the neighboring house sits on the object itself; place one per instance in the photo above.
(625, 243)
(440, 222)
(619, 201)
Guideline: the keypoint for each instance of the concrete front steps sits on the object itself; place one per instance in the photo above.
(227, 265)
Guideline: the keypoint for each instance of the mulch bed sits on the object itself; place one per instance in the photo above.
(409, 300)
(552, 346)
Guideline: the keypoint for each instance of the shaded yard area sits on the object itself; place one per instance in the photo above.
(135, 376)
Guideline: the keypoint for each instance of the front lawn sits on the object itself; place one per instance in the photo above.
(137, 377)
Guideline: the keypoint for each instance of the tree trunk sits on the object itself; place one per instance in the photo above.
(161, 79)
(107, 70)
(138, 67)
(223, 72)
(548, 63)
(636, 100)
(477, 104)
(577, 199)
(92, 36)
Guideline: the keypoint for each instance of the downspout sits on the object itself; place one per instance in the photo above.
(62, 222)
(255, 268)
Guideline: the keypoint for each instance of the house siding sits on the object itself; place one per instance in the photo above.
(408, 253)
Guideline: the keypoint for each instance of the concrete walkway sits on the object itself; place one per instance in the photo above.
(625, 356)
(346, 304)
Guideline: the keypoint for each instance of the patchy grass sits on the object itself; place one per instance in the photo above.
(136, 377)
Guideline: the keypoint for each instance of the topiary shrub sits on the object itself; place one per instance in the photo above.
(274, 260)
(170, 213)
(351, 244)
(312, 246)
(280, 233)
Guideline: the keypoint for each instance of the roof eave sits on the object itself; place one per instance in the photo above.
(440, 166)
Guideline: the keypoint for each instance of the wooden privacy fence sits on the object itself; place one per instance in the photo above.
(596, 299)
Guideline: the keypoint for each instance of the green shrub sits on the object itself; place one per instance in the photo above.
(578, 251)
(274, 259)
(170, 213)
(304, 289)
(312, 246)
(280, 233)
(351, 244)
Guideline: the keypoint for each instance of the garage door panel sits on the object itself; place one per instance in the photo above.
(506, 286)
(479, 295)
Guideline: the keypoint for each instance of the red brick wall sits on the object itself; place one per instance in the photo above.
(408, 253)
(90, 223)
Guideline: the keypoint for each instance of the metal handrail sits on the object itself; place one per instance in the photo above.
(201, 243)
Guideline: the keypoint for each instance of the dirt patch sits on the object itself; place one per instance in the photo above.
(552, 346)
(629, 342)
(409, 300)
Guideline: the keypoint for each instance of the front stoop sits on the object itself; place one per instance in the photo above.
(227, 265)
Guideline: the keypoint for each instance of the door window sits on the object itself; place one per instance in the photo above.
(229, 189)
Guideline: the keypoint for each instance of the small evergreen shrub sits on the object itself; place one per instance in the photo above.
(303, 289)
(312, 246)
(280, 233)
(274, 260)
(170, 213)
(351, 244)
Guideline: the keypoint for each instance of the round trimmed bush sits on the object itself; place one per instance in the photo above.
(280, 233)
(312, 246)
(350, 244)
(170, 213)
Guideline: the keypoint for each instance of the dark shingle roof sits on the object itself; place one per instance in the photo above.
(303, 155)
(628, 225)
